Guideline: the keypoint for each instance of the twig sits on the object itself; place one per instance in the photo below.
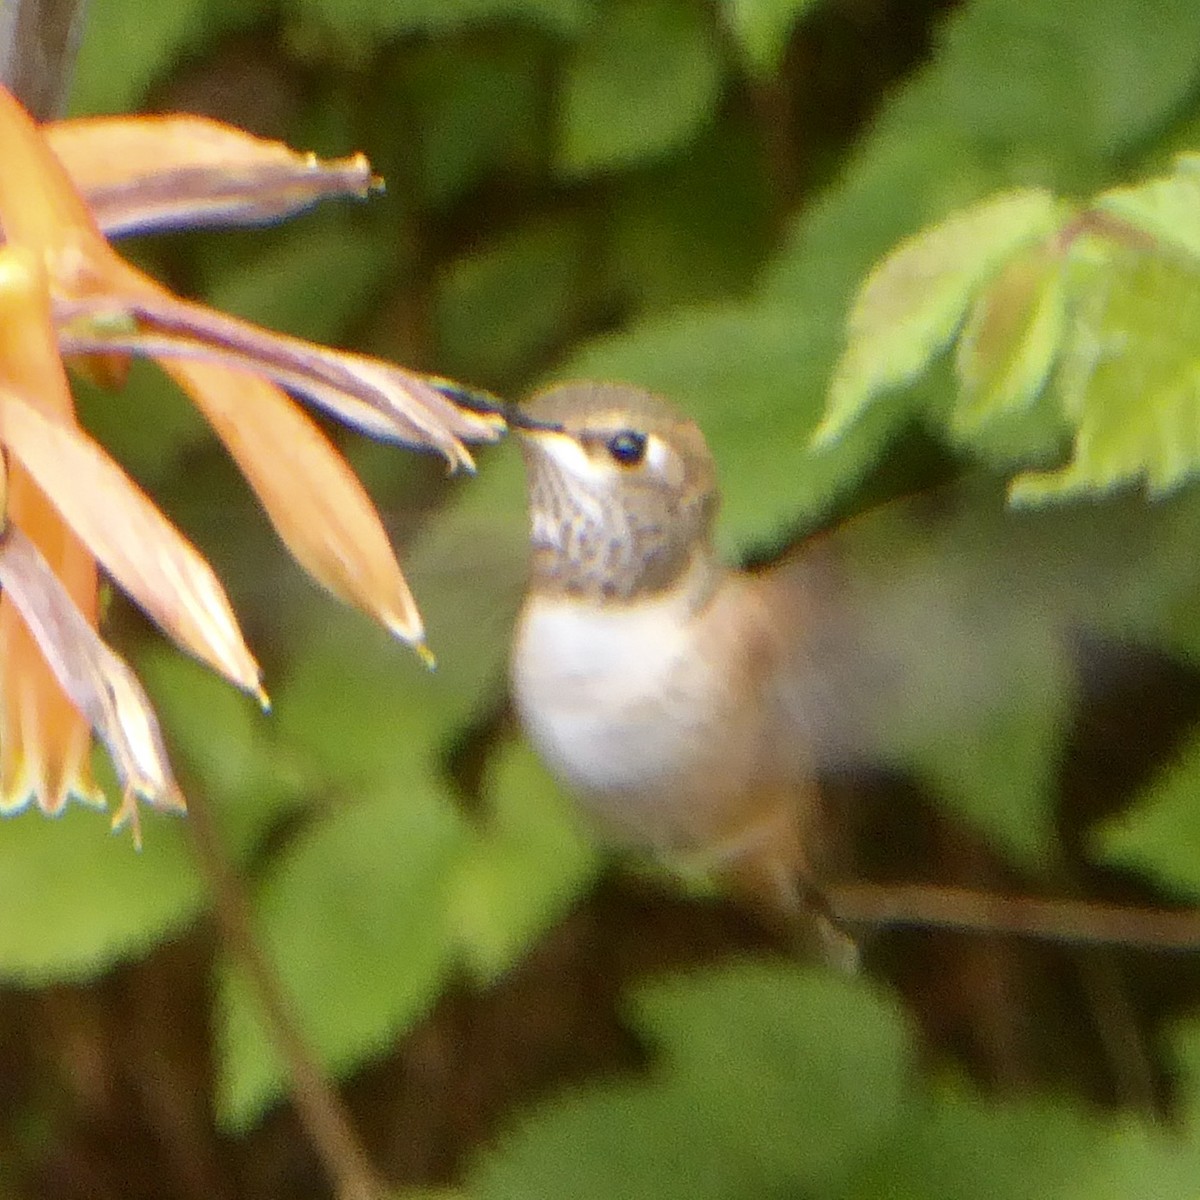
(321, 1111)
(1067, 921)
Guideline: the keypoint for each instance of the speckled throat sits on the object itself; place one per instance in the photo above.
(593, 546)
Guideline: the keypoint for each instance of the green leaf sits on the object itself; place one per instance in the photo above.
(527, 866)
(643, 83)
(1130, 375)
(709, 209)
(359, 25)
(775, 1081)
(1161, 833)
(223, 742)
(147, 425)
(954, 1146)
(762, 29)
(506, 303)
(353, 918)
(312, 281)
(129, 45)
(1166, 208)
(1010, 342)
(77, 899)
(916, 298)
(478, 111)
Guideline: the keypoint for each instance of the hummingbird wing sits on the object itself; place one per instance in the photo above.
(939, 621)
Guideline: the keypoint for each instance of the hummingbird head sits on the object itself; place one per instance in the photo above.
(622, 491)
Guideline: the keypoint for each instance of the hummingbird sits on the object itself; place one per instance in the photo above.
(649, 675)
(692, 706)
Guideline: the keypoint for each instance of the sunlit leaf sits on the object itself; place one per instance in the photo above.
(1166, 209)
(1011, 339)
(1130, 375)
(914, 301)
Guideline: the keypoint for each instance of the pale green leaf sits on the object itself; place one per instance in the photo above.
(1010, 341)
(915, 299)
(1167, 208)
(642, 83)
(1129, 383)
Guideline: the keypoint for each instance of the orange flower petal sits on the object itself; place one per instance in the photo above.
(98, 682)
(40, 206)
(145, 554)
(313, 498)
(149, 559)
(170, 172)
(134, 313)
(45, 742)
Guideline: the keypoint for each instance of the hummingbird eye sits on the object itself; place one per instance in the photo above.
(627, 447)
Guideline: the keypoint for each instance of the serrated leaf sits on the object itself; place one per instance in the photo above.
(775, 1081)
(1161, 833)
(1011, 339)
(762, 29)
(1166, 208)
(641, 84)
(77, 900)
(916, 298)
(1129, 382)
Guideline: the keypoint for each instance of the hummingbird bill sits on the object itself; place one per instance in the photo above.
(693, 706)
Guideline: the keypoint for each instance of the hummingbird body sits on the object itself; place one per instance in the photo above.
(645, 672)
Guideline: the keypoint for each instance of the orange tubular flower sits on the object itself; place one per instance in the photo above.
(68, 508)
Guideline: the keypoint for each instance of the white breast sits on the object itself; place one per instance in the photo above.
(616, 700)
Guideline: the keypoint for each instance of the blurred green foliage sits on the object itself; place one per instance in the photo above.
(609, 188)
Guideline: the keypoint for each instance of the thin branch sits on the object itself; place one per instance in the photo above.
(321, 1111)
(1076, 922)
